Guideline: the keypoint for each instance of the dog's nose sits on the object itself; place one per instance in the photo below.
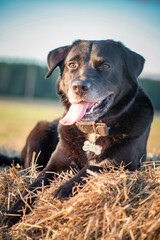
(80, 87)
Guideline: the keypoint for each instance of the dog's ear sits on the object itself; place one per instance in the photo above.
(55, 57)
(134, 63)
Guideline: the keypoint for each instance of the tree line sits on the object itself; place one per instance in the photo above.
(28, 81)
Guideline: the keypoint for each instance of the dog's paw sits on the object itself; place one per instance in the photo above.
(13, 215)
(64, 191)
(9, 219)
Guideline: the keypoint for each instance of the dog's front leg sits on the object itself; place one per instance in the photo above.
(65, 190)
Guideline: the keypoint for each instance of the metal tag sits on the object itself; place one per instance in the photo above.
(102, 130)
(88, 146)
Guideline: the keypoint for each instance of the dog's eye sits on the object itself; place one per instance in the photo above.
(105, 66)
(72, 65)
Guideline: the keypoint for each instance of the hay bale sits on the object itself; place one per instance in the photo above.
(112, 205)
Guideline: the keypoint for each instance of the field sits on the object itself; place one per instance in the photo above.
(18, 117)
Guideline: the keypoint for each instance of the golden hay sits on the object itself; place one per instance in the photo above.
(112, 205)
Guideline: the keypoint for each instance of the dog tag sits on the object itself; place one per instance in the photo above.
(88, 146)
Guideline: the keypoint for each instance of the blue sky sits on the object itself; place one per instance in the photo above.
(30, 29)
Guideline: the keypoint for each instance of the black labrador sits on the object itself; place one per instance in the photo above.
(107, 116)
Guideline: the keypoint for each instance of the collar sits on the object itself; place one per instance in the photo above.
(98, 128)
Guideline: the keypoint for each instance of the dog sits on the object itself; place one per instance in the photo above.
(107, 116)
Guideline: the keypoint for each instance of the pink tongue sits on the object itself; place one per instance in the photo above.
(75, 113)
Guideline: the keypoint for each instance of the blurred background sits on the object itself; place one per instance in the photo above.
(30, 29)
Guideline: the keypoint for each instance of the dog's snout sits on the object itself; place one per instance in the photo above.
(80, 87)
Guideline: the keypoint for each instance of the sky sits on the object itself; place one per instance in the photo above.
(30, 29)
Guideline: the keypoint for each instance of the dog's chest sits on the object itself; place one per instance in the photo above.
(94, 152)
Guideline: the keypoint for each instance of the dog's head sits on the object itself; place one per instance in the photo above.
(94, 76)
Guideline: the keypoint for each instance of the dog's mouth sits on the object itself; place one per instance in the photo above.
(87, 111)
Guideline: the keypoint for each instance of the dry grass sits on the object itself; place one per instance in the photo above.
(112, 205)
